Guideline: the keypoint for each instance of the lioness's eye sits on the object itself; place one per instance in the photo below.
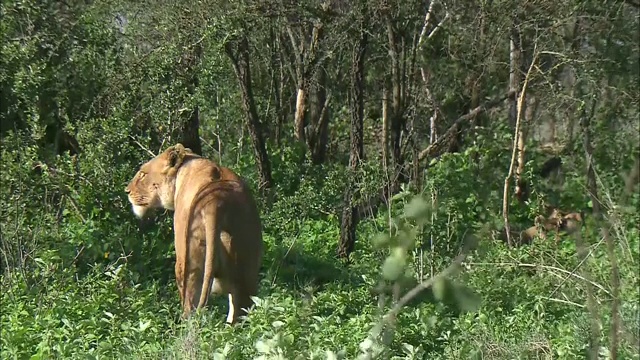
(141, 175)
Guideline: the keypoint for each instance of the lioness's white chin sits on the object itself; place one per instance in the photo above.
(139, 211)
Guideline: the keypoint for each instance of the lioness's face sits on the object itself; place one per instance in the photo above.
(153, 186)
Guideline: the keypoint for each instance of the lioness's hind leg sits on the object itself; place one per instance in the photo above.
(239, 302)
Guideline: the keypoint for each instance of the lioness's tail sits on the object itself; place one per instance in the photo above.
(212, 232)
(197, 198)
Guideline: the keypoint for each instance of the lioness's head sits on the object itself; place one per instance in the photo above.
(154, 185)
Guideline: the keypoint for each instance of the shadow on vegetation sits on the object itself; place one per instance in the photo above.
(297, 268)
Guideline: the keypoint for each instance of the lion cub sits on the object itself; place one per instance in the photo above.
(216, 223)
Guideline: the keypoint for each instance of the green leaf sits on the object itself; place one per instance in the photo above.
(276, 324)
(381, 240)
(393, 266)
(417, 208)
(288, 339)
(263, 347)
(144, 325)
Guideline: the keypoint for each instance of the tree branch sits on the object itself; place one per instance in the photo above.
(430, 151)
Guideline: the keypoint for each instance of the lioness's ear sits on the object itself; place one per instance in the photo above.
(216, 174)
(176, 155)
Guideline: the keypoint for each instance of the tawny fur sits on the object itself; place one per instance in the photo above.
(217, 227)
(555, 223)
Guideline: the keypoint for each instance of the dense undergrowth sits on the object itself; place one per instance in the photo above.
(83, 279)
(88, 281)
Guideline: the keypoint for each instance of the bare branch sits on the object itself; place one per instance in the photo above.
(516, 138)
(427, 21)
(142, 147)
(430, 151)
(545, 267)
(438, 25)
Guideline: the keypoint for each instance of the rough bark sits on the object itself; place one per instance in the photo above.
(277, 84)
(396, 114)
(349, 220)
(319, 118)
(238, 52)
(307, 58)
(190, 129)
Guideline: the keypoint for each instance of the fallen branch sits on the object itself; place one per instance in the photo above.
(546, 267)
(564, 302)
(434, 149)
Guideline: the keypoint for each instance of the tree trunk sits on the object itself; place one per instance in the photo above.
(306, 63)
(522, 185)
(516, 108)
(397, 123)
(350, 212)
(515, 68)
(319, 115)
(190, 130)
(592, 188)
(276, 84)
(515, 121)
(240, 61)
(298, 120)
(385, 129)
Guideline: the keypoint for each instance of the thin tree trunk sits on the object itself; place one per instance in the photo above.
(385, 129)
(349, 220)
(306, 62)
(276, 81)
(283, 109)
(241, 66)
(515, 115)
(522, 185)
(520, 102)
(190, 130)
(396, 113)
(319, 118)
(300, 110)
(592, 188)
(515, 66)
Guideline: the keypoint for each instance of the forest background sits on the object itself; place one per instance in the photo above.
(389, 143)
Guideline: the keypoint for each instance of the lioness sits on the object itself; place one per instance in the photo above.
(541, 227)
(216, 223)
(569, 224)
(556, 223)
